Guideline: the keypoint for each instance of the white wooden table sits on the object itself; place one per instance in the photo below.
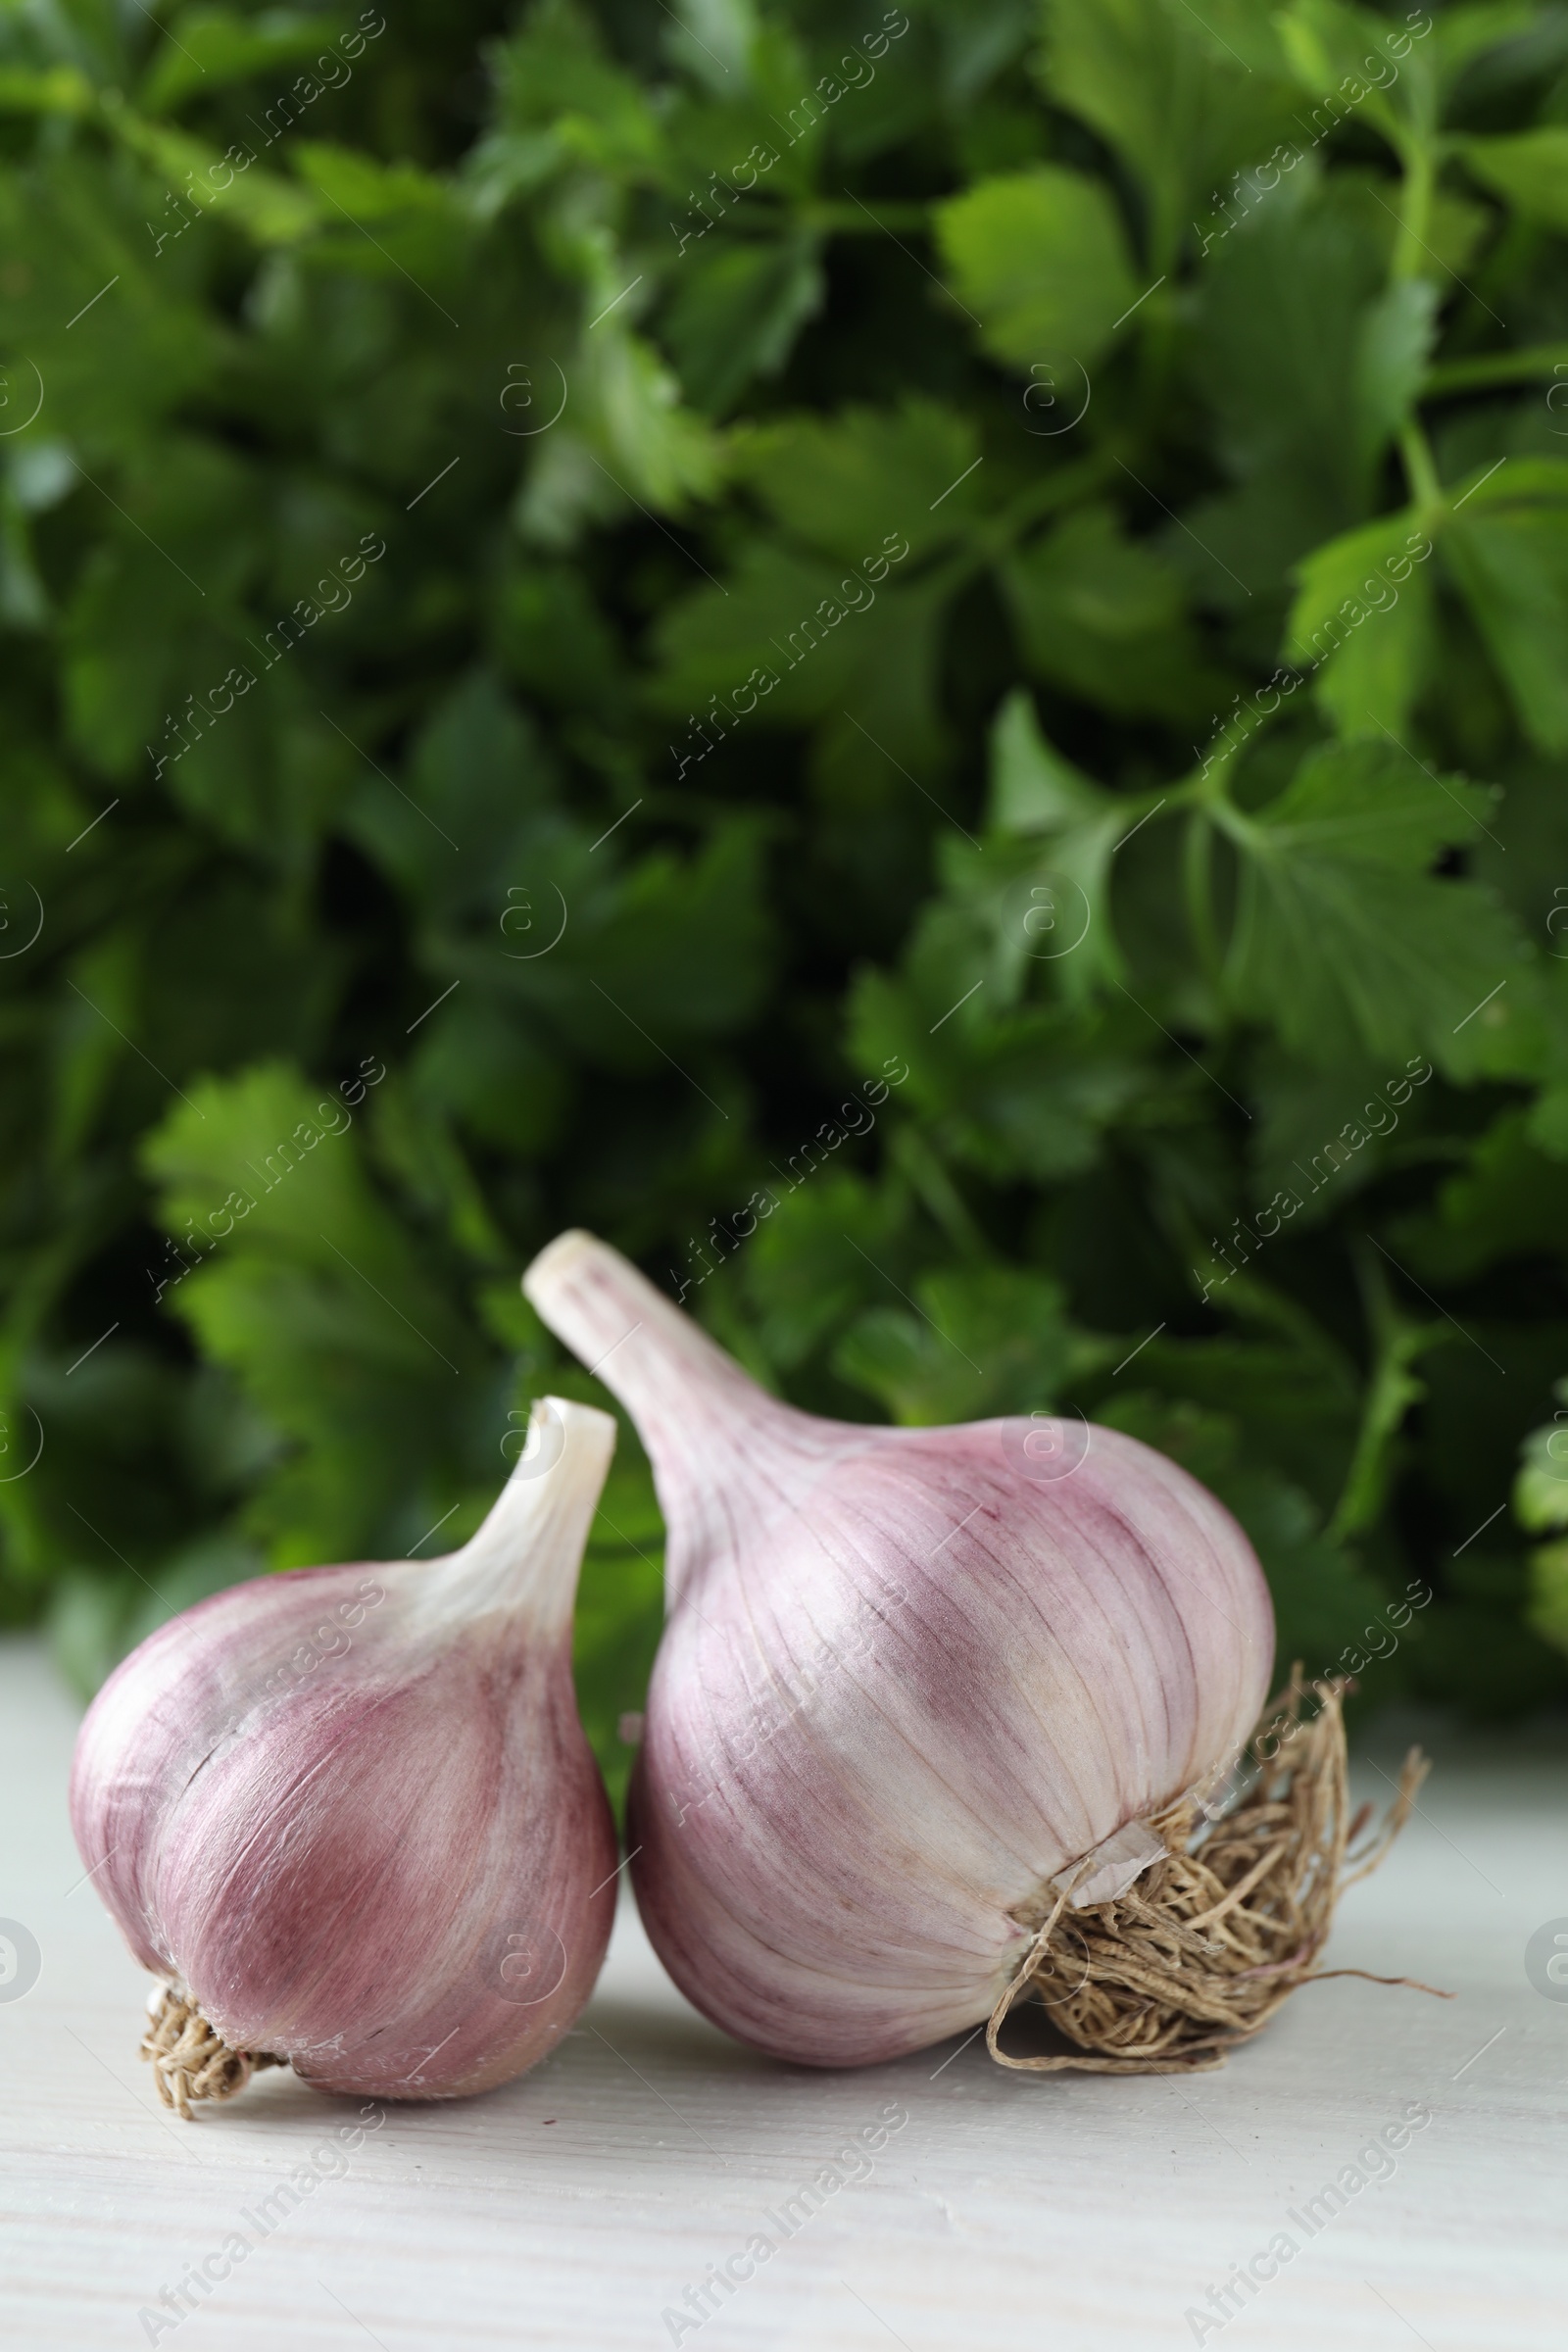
(576, 2207)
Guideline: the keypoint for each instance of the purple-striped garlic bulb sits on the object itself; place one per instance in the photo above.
(349, 1815)
(908, 1678)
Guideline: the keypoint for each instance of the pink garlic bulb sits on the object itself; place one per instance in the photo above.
(349, 1814)
(907, 1677)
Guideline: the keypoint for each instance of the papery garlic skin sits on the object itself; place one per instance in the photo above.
(367, 1833)
(907, 1676)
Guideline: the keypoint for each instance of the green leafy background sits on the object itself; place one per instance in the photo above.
(1017, 552)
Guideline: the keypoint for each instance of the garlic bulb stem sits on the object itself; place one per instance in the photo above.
(525, 1559)
(701, 1419)
(630, 1334)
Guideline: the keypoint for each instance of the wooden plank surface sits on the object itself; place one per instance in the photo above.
(577, 2207)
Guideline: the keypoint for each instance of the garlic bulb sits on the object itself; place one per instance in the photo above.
(350, 1816)
(909, 1678)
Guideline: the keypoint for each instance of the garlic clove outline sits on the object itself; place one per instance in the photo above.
(907, 1677)
(349, 1815)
